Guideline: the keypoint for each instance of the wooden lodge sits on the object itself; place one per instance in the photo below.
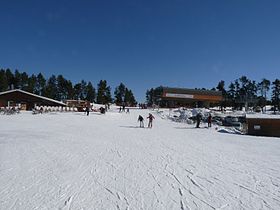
(174, 97)
(26, 100)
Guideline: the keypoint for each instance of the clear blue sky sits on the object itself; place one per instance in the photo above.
(144, 44)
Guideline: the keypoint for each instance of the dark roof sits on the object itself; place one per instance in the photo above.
(21, 95)
(192, 91)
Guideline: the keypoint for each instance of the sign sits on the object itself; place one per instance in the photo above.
(178, 95)
(257, 127)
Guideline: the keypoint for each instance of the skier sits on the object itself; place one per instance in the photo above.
(120, 110)
(127, 111)
(209, 120)
(198, 119)
(151, 118)
(141, 120)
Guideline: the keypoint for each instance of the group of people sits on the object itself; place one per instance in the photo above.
(102, 110)
(199, 118)
(122, 109)
(150, 118)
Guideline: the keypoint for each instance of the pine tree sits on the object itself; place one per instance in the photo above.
(69, 89)
(276, 94)
(77, 91)
(129, 98)
(119, 94)
(17, 80)
(231, 94)
(61, 88)
(24, 81)
(149, 97)
(40, 86)
(51, 88)
(221, 87)
(263, 87)
(3, 81)
(103, 93)
(31, 84)
(90, 92)
(83, 90)
(153, 96)
(10, 78)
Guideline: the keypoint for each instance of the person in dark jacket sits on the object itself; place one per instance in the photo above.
(141, 120)
(87, 110)
(151, 118)
(198, 119)
(102, 110)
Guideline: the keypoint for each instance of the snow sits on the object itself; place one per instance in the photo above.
(263, 116)
(71, 161)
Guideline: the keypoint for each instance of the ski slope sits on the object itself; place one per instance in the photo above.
(71, 161)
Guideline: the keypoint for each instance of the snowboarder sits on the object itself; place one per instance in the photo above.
(151, 118)
(209, 120)
(198, 119)
(141, 120)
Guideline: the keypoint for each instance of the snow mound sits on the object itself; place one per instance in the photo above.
(183, 115)
(230, 130)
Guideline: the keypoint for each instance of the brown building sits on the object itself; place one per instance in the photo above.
(26, 100)
(174, 97)
(263, 126)
(79, 104)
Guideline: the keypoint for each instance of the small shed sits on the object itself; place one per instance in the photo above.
(263, 125)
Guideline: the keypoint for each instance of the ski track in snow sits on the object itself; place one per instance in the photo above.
(71, 161)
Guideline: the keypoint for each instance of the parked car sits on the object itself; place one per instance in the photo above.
(232, 121)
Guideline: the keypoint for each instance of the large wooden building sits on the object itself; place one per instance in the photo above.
(174, 97)
(26, 100)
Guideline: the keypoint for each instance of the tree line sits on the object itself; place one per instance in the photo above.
(61, 89)
(242, 92)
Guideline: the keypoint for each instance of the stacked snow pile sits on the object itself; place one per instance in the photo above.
(183, 115)
(230, 130)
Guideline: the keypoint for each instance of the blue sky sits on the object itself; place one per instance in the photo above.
(144, 44)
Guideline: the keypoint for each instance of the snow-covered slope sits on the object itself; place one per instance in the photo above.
(71, 161)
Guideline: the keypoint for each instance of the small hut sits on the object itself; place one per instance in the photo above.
(263, 125)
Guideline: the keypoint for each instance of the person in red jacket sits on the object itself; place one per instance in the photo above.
(151, 118)
(209, 120)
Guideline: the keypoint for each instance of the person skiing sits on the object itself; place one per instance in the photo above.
(141, 120)
(151, 118)
(209, 120)
(198, 119)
